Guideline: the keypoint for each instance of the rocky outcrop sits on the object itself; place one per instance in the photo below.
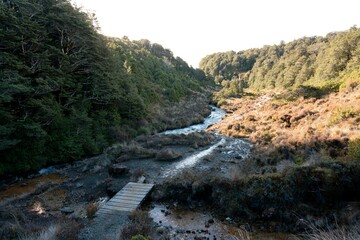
(117, 170)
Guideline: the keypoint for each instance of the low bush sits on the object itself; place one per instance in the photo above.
(341, 114)
(139, 227)
(316, 187)
(91, 209)
(69, 229)
(354, 150)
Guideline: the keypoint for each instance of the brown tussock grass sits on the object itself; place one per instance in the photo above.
(30, 185)
(294, 124)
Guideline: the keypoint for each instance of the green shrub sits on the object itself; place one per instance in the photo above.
(139, 237)
(143, 131)
(341, 114)
(299, 160)
(354, 150)
(222, 102)
(266, 137)
(349, 84)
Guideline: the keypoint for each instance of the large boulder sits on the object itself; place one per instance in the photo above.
(167, 154)
(117, 170)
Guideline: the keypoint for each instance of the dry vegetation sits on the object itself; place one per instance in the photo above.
(140, 226)
(14, 224)
(298, 130)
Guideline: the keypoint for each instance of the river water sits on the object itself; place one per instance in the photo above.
(229, 147)
(186, 224)
(214, 117)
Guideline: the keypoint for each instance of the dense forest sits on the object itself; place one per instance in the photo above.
(67, 91)
(324, 63)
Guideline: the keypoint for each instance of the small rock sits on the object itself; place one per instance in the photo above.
(207, 225)
(207, 158)
(228, 219)
(160, 230)
(211, 221)
(141, 179)
(117, 170)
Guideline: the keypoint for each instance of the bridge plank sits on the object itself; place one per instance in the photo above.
(127, 199)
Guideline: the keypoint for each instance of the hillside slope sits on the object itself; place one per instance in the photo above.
(300, 132)
(326, 63)
(67, 92)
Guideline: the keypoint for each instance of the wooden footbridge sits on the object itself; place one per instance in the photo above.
(127, 199)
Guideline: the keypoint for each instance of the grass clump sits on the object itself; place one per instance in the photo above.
(341, 114)
(352, 233)
(91, 209)
(139, 228)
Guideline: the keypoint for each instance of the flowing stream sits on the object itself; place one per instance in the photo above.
(190, 224)
(191, 160)
(187, 224)
(230, 147)
(214, 117)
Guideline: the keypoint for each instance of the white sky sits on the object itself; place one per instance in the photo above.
(192, 29)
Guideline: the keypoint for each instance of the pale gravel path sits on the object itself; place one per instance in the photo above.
(104, 227)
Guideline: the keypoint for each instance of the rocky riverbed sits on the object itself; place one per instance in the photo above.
(74, 191)
(70, 190)
(202, 176)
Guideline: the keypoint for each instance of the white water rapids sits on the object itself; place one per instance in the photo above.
(214, 117)
(229, 146)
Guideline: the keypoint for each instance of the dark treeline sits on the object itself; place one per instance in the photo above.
(66, 91)
(317, 62)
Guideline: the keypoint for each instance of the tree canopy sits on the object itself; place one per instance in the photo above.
(65, 87)
(326, 62)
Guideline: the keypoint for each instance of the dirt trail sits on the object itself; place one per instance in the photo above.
(104, 227)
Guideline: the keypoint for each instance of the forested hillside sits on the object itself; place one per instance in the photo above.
(66, 91)
(317, 62)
